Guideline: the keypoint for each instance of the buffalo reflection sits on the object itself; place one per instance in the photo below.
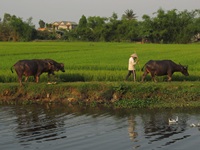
(38, 124)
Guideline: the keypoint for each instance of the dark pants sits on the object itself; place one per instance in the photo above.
(131, 72)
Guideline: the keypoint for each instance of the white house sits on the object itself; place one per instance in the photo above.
(67, 25)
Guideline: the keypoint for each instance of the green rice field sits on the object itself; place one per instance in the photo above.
(104, 62)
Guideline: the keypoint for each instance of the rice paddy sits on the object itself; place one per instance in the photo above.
(85, 61)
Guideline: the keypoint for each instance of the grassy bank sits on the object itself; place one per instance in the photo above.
(111, 94)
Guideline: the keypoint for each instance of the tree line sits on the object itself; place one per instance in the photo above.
(170, 26)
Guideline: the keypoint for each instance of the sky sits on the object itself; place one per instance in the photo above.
(72, 10)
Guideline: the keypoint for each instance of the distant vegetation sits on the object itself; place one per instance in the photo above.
(98, 61)
(171, 26)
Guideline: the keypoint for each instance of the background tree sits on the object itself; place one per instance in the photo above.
(49, 25)
(146, 29)
(128, 30)
(41, 24)
(195, 27)
(5, 32)
(189, 26)
(110, 31)
(82, 22)
(164, 27)
(170, 27)
(6, 18)
(15, 29)
(129, 15)
(96, 25)
(83, 31)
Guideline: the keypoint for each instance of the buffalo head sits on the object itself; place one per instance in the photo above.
(184, 70)
(55, 66)
(61, 67)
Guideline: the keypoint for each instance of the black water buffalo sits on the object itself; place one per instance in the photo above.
(163, 67)
(55, 66)
(36, 67)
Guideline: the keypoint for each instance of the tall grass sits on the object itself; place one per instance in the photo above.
(86, 61)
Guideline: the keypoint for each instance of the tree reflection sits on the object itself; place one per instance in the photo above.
(157, 129)
(40, 123)
(36, 123)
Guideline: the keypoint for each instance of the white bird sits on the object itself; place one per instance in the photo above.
(173, 120)
(192, 125)
(195, 125)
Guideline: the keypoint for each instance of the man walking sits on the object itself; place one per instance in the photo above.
(133, 60)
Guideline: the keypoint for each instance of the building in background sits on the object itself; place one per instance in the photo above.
(66, 25)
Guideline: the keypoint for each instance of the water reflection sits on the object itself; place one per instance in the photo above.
(155, 128)
(131, 127)
(95, 128)
(36, 124)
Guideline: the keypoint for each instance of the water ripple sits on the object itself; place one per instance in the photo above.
(58, 128)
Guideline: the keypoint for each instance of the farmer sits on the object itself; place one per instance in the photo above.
(133, 60)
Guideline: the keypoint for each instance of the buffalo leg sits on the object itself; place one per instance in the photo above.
(36, 79)
(49, 75)
(169, 77)
(19, 78)
(53, 77)
(144, 75)
(26, 79)
(153, 77)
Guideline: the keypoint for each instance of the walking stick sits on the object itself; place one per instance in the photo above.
(139, 67)
(140, 70)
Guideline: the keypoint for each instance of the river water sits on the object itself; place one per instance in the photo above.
(58, 127)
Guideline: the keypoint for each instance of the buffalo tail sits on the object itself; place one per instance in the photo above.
(11, 69)
(143, 68)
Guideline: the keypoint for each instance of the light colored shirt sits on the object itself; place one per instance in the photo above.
(131, 64)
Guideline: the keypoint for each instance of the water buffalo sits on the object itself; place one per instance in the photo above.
(36, 67)
(55, 66)
(163, 67)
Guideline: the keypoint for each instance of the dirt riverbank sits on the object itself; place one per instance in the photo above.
(116, 94)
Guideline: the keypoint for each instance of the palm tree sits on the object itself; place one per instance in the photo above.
(129, 15)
